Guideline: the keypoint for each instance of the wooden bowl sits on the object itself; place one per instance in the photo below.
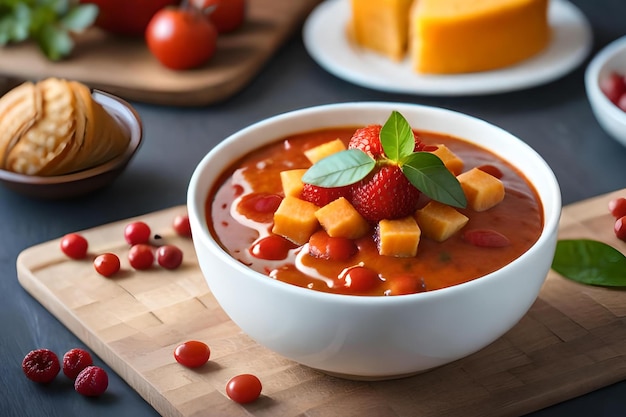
(86, 181)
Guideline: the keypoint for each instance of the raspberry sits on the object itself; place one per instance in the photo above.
(320, 196)
(74, 361)
(387, 194)
(91, 381)
(41, 365)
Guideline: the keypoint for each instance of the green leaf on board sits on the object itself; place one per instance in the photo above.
(590, 262)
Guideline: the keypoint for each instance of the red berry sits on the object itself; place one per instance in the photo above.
(41, 365)
(620, 228)
(332, 248)
(621, 102)
(107, 264)
(385, 194)
(272, 247)
(91, 381)
(320, 196)
(74, 361)
(244, 388)
(617, 207)
(74, 245)
(405, 284)
(192, 354)
(137, 232)
(140, 256)
(169, 256)
(367, 139)
(360, 279)
(486, 238)
(181, 225)
(259, 207)
(613, 86)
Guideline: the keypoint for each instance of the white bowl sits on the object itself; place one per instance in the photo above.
(374, 337)
(611, 118)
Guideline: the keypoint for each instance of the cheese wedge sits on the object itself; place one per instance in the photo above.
(460, 36)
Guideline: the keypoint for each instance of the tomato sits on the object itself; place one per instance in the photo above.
(272, 247)
(137, 232)
(617, 207)
(360, 279)
(244, 388)
(74, 245)
(192, 354)
(127, 17)
(169, 256)
(321, 245)
(181, 38)
(405, 284)
(141, 256)
(228, 15)
(181, 225)
(107, 264)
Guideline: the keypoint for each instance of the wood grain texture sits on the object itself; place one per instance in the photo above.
(124, 66)
(572, 341)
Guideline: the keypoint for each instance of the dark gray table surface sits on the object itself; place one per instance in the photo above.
(555, 119)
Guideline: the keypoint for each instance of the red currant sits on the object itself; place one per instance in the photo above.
(169, 256)
(137, 232)
(141, 256)
(74, 245)
(617, 207)
(244, 388)
(181, 225)
(107, 264)
(192, 354)
(620, 228)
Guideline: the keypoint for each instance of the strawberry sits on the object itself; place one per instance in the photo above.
(41, 365)
(74, 361)
(320, 196)
(385, 194)
(91, 381)
(367, 139)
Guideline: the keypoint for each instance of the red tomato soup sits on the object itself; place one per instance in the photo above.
(240, 211)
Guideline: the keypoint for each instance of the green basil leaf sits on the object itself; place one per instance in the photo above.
(54, 42)
(426, 172)
(80, 17)
(396, 137)
(590, 262)
(339, 169)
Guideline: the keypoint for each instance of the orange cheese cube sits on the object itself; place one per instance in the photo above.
(295, 220)
(460, 36)
(439, 221)
(449, 159)
(340, 219)
(325, 149)
(481, 189)
(398, 237)
(291, 181)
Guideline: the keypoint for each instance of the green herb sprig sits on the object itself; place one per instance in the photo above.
(50, 23)
(424, 170)
(590, 262)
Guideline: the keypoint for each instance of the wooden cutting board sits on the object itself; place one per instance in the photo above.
(572, 341)
(125, 67)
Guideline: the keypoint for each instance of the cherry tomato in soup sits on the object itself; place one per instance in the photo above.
(169, 256)
(107, 264)
(360, 279)
(192, 354)
(181, 225)
(181, 38)
(244, 388)
(137, 232)
(74, 245)
(141, 256)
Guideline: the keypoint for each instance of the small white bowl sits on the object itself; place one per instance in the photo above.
(611, 58)
(374, 337)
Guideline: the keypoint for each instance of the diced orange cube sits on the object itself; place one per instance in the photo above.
(324, 150)
(295, 220)
(439, 221)
(481, 189)
(291, 181)
(449, 159)
(340, 219)
(398, 237)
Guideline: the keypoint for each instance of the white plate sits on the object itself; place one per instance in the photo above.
(325, 39)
